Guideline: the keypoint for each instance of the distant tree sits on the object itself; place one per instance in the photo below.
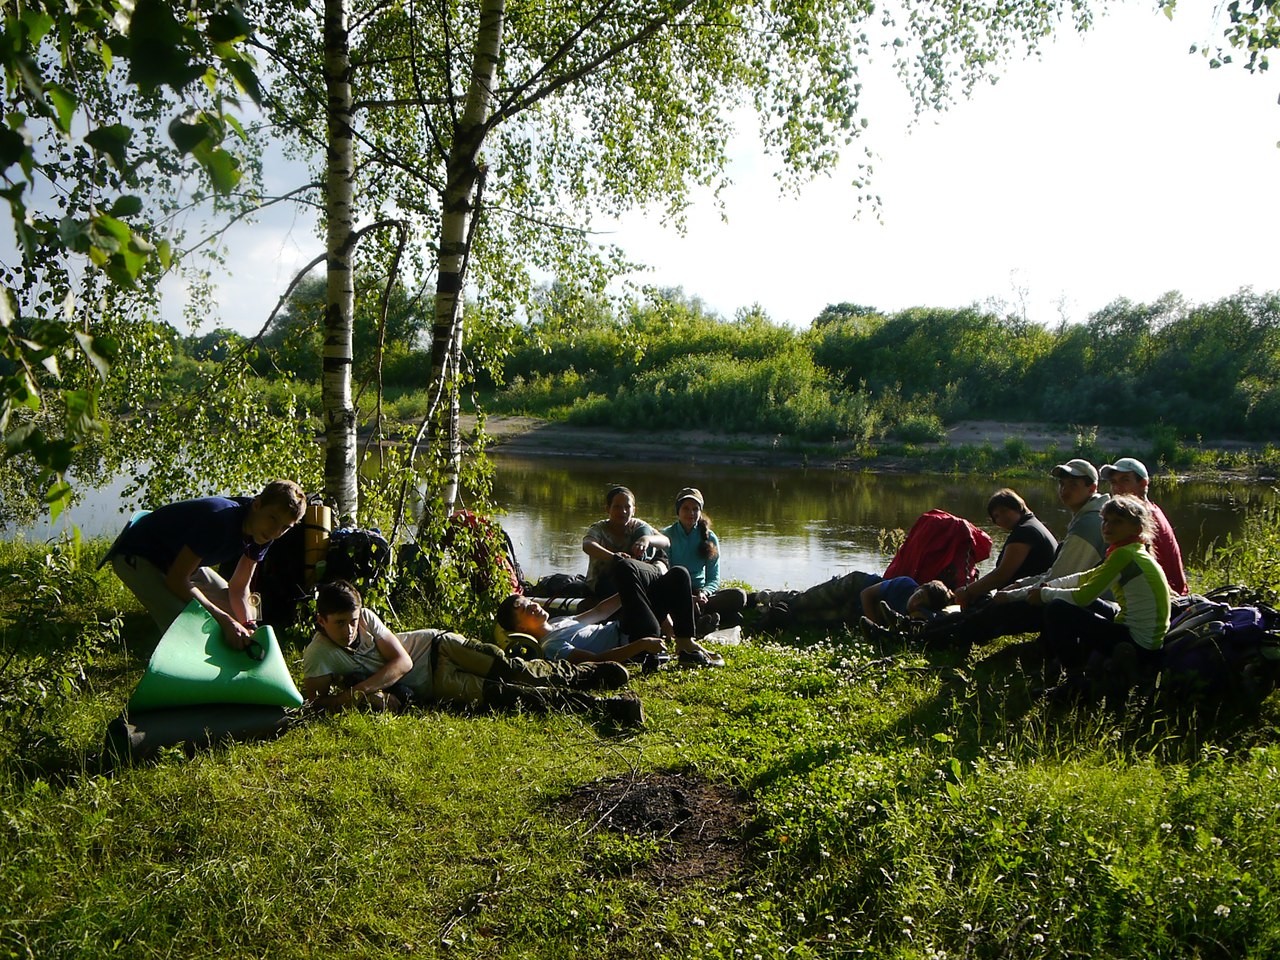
(837, 312)
(293, 341)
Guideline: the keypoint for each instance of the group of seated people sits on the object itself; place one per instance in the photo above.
(1107, 584)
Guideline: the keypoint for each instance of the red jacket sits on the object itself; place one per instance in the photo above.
(943, 547)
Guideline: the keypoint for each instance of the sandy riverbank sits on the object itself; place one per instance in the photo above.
(529, 436)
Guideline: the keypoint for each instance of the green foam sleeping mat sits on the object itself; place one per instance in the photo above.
(194, 665)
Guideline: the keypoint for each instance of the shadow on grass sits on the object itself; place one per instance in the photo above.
(985, 696)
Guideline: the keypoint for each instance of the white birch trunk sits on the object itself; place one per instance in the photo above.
(459, 200)
(340, 465)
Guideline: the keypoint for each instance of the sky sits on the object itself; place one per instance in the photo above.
(1116, 164)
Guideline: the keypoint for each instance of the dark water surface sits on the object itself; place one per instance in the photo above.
(779, 527)
(793, 527)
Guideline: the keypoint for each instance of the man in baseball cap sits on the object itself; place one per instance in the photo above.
(1080, 549)
(1129, 475)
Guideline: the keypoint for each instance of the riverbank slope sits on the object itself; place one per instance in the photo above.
(530, 436)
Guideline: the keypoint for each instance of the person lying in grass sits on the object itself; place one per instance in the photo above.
(646, 596)
(355, 660)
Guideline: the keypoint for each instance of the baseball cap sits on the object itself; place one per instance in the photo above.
(1076, 468)
(690, 493)
(1125, 465)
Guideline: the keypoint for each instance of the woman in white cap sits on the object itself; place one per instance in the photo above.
(696, 548)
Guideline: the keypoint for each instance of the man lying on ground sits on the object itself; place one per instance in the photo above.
(646, 596)
(354, 659)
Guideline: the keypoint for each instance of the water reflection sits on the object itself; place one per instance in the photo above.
(795, 527)
(779, 527)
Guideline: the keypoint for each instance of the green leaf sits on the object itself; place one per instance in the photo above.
(228, 25)
(12, 147)
(246, 78)
(65, 105)
(57, 455)
(188, 132)
(58, 497)
(222, 167)
(126, 206)
(111, 140)
(99, 351)
(22, 438)
(107, 226)
(159, 50)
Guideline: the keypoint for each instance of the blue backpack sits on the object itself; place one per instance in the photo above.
(1214, 649)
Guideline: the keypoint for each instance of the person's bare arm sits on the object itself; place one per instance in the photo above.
(326, 693)
(871, 603)
(602, 611)
(628, 651)
(178, 582)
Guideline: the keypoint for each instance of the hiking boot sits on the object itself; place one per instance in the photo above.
(707, 623)
(873, 631)
(700, 658)
(897, 622)
(625, 710)
(775, 615)
(600, 675)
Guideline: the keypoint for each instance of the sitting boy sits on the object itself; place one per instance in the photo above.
(645, 597)
(166, 558)
(434, 665)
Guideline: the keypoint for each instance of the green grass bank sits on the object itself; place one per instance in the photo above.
(821, 797)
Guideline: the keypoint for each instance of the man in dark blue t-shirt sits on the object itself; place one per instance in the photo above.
(166, 557)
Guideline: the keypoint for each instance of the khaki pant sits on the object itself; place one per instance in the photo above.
(146, 582)
(466, 670)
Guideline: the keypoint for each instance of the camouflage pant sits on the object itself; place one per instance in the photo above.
(839, 600)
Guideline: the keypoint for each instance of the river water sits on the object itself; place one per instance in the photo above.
(778, 527)
(793, 527)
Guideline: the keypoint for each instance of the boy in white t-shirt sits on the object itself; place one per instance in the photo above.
(355, 659)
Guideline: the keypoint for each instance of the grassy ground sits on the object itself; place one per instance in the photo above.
(821, 797)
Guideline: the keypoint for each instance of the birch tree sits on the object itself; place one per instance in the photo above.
(493, 134)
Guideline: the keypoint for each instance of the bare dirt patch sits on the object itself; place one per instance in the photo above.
(698, 828)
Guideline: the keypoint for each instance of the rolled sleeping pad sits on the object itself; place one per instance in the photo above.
(141, 734)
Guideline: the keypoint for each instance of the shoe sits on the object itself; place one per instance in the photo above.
(625, 710)
(707, 623)
(601, 675)
(775, 615)
(700, 658)
(897, 622)
(872, 630)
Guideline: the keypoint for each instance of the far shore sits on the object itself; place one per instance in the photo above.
(533, 437)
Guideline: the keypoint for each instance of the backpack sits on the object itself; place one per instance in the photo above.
(362, 557)
(1214, 649)
(281, 580)
(940, 546)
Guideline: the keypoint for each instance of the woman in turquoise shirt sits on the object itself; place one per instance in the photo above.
(696, 548)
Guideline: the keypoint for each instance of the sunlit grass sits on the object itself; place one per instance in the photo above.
(902, 802)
